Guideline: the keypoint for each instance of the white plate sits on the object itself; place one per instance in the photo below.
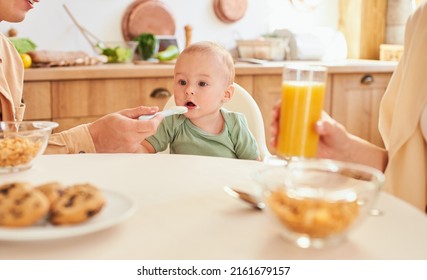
(118, 207)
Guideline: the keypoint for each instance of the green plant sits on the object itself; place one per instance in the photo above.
(146, 45)
(23, 45)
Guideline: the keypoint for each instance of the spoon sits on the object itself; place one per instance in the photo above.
(246, 197)
(169, 112)
(256, 203)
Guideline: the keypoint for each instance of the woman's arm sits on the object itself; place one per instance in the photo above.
(337, 143)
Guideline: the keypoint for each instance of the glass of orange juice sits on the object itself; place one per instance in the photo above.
(303, 92)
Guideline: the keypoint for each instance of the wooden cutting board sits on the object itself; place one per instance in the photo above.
(147, 16)
(230, 11)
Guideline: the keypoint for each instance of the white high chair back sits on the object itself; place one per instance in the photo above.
(243, 102)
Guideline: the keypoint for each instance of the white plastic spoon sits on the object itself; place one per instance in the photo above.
(169, 112)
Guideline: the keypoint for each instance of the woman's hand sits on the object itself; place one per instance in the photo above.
(334, 140)
(122, 132)
(275, 124)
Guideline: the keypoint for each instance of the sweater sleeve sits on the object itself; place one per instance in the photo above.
(72, 141)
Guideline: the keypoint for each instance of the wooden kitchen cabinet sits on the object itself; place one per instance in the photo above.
(355, 102)
(37, 98)
(245, 81)
(266, 92)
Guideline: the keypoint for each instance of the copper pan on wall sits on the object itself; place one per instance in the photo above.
(230, 11)
(147, 16)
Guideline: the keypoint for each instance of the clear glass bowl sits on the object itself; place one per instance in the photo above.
(317, 202)
(22, 142)
(119, 52)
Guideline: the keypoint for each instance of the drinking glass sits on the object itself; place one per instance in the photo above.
(303, 92)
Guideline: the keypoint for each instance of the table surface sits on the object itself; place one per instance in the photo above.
(184, 213)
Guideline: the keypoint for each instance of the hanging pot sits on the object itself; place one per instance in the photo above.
(147, 16)
(230, 11)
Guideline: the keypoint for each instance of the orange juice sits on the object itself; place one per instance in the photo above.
(302, 104)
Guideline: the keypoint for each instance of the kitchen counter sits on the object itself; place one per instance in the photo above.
(334, 67)
(166, 70)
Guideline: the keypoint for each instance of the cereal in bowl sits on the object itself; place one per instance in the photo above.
(16, 151)
(312, 216)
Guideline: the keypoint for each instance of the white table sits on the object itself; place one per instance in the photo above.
(183, 213)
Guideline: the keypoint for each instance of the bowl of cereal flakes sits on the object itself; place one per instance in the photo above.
(317, 202)
(22, 142)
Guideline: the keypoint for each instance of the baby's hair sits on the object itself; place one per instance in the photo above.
(217, 49)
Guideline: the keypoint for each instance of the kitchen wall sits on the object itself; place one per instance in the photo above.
(50, 28)
(398, 12)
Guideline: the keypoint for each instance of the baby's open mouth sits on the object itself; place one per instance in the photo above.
(191, 105)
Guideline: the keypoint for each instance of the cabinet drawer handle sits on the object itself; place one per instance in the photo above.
(367, 80)
(160, 93)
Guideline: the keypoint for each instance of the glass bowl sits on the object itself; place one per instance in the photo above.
(118, 52)
(317, 202)
(22, 142)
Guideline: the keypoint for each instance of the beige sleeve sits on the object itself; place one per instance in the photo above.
(400, 113)
(73, 141)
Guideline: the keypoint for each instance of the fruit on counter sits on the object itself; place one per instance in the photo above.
(170, 53)
(12, 32)
(147, 44)
(26, 60)
(117, 54)
(23, 45)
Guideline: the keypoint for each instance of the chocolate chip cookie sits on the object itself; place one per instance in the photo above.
(76, 205)
(21, 206)
(52, 190)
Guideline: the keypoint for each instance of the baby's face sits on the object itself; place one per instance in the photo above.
(201, 83)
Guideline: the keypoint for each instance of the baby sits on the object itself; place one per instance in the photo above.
(203, 82)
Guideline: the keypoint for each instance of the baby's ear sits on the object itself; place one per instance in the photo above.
(228, 93)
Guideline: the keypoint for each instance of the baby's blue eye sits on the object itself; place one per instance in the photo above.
(182, 82)
(203, 84)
